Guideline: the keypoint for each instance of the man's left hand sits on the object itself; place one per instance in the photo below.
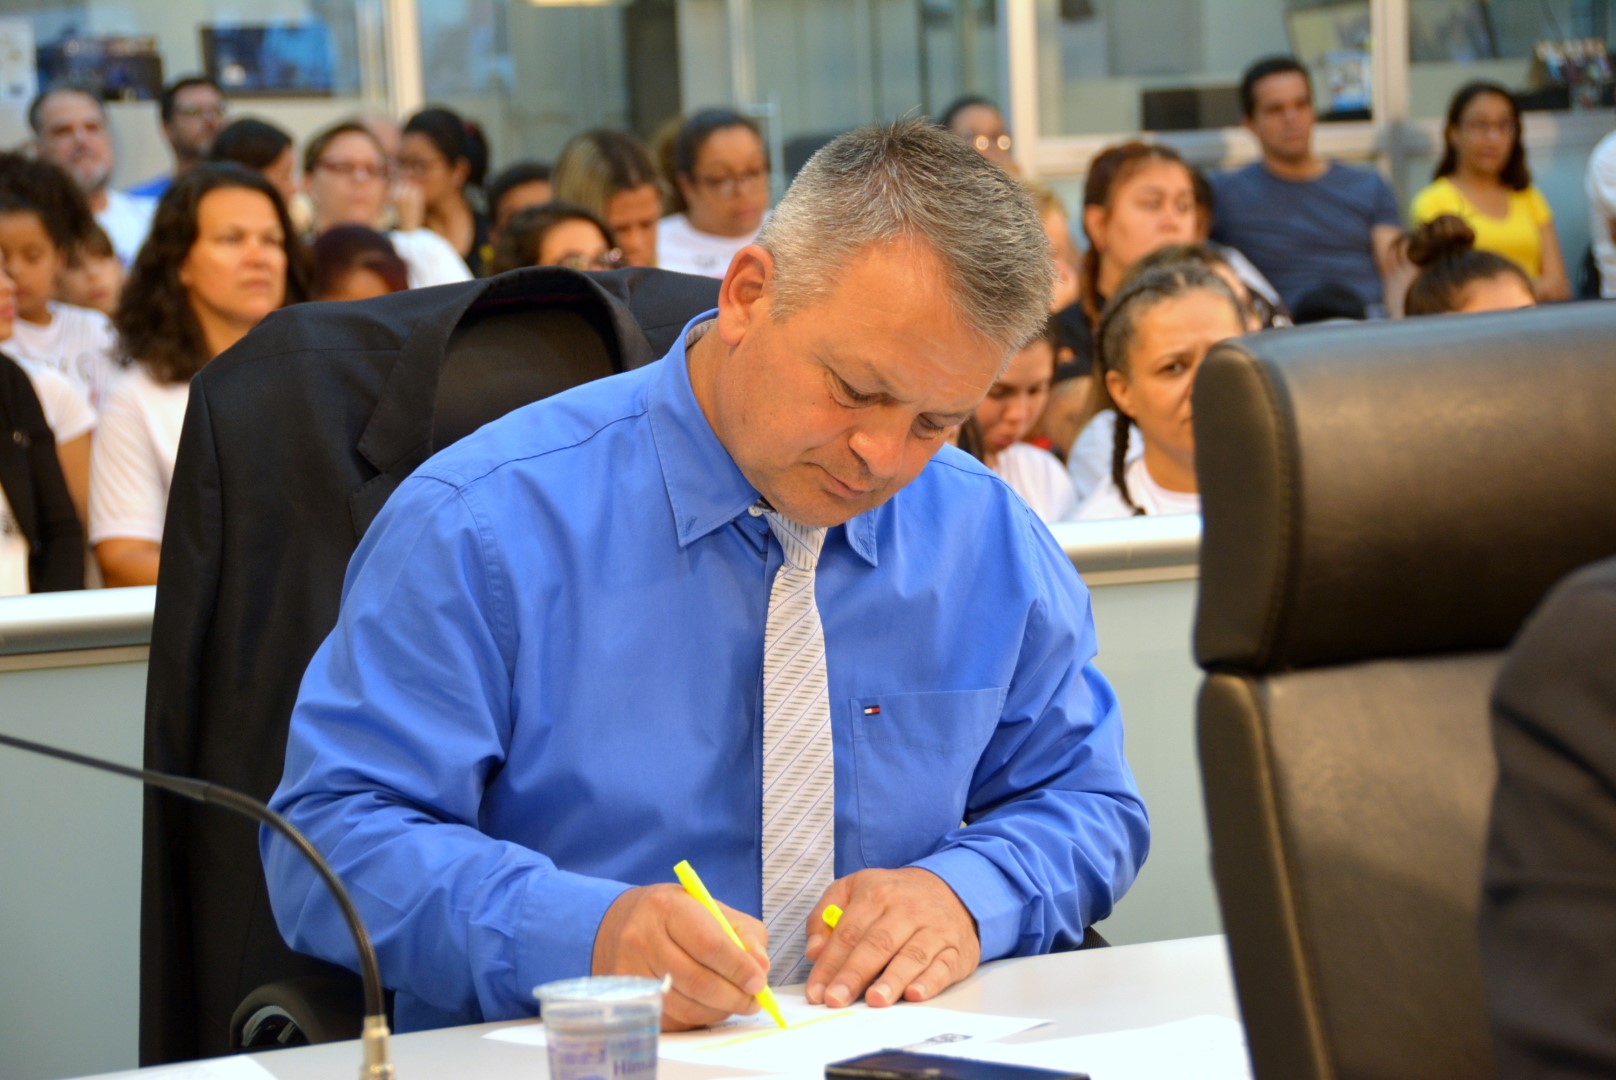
(902, 934)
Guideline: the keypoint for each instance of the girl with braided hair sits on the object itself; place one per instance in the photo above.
(1151, 339)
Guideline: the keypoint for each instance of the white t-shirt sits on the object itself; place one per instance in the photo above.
(127, 219)
(1036, 475)
(13, 552)
(66, 407)
(430, 259)
(79, 343)
(1088, 463)
(132, 457)
(1106, 501)
(680, 247)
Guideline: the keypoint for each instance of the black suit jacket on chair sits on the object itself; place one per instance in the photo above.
(1548, 912)
(292, 442)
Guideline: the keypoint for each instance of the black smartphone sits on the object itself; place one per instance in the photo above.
(906, 1065)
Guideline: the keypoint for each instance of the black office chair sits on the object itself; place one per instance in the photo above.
(1384, 504)
(292, 443)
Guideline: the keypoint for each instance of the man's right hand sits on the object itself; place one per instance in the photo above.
(658, 930)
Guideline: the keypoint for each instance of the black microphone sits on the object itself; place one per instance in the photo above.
(377, 1065)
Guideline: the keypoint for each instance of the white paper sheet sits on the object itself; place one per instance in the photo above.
(815, 1035)
(1205, 1047)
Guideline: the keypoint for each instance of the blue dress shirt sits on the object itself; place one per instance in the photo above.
(545, 686)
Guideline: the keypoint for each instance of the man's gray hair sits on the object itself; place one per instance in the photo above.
(911, 181)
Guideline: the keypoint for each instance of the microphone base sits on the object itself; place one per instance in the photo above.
(373, 1039)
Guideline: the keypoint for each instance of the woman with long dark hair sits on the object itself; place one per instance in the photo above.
(443, 154)
(222, 255)
(1483, 179)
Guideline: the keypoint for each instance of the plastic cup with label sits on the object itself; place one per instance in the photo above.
(601, 1028)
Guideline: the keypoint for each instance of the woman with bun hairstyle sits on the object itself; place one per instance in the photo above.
(1151, 340)
(441, 155)
(1483, 179)
(1455, 277)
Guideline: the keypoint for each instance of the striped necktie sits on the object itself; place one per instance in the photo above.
(799, 808)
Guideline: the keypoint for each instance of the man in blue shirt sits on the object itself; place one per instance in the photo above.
(546, 684)
(1306, 222)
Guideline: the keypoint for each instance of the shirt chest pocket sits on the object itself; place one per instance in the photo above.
(913, 757)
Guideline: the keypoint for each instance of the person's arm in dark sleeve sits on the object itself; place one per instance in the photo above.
(56, 562)
(1548, 910)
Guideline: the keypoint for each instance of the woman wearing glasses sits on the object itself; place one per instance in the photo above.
(1483, 179)
(556, 234)
(721, 175)
(346, 177)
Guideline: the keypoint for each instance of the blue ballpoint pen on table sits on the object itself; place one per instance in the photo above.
(693, 886)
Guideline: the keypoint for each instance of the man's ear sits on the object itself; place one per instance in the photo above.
(743, 297)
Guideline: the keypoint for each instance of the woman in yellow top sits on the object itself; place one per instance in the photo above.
(1483, 179)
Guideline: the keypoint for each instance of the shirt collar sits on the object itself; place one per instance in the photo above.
(705, 487)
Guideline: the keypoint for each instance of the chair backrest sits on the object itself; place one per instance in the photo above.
(292, 443)
(1383, 506)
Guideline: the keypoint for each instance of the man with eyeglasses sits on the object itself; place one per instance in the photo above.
(193, 112)
(979, 122)
(70, 132)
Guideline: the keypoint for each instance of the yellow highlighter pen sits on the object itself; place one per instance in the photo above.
(693, 886)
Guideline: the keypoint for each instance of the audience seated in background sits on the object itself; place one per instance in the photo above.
(1456, 277)
(191, 112)
(1483, 178)
(91, 275)
(720, 186)
(41, 537)
(262, 146)
(66, 350)
(979, 122)
(223, 255)
(1303, 220)
(442, 155)
(352, 262)
(345, 174)
(1600, 186)
(610, 174)
(556, 234)
(516, 187)
(995, 431)
(1151, 339)
(70, 131)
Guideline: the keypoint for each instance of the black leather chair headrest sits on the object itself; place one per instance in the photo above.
(1359, 483)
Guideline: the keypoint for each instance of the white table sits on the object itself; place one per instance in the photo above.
(1082, 993)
